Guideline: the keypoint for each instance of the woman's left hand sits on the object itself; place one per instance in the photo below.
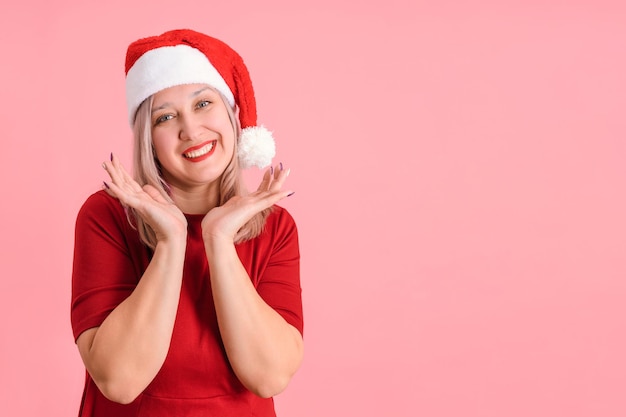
(223, 222)
(263, 349)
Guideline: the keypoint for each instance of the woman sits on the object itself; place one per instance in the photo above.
(185, 290)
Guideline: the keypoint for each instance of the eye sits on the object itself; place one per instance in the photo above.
(163, 118)
(203, 103)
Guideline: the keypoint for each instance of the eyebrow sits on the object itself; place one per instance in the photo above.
(192, 95)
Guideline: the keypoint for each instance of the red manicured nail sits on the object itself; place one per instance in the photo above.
(291, 193)
(111, 156)
(281, 166)
(106, 185)
(271, 170)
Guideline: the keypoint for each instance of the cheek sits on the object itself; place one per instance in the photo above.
(160, 143)
(158, 149)
(229, 137)
(229, 145)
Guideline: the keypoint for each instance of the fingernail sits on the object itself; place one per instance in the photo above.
(291, 193)
(104, 166)
(281, 166)
(111, 156)
(271, 170)
(105, 184)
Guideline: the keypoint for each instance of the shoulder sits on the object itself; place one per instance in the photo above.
(100, 202)
(101, 210)
(280, 231)
(280, 221)
(103, 222)
(280, 215)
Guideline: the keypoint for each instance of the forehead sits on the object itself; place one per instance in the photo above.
(182, 92)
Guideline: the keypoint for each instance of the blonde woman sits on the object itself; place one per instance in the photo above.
(186, 295)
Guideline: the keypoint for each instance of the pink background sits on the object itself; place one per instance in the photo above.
(460, 192)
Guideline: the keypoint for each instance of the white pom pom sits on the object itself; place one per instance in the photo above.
(256, 147)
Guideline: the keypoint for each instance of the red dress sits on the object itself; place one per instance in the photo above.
(196, 378)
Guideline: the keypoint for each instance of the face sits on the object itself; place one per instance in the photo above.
(192, 134)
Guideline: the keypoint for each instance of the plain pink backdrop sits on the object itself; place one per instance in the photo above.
(460, 184)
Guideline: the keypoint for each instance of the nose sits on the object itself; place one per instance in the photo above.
(190, 127)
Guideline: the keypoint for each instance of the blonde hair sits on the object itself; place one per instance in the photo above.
(146, 170)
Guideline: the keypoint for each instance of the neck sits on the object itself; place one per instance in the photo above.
(197, 200)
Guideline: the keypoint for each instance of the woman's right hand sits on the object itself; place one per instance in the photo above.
(165, 218)
(126, 351)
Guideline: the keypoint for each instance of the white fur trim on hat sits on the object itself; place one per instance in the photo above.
(256, 147)
(166, 67)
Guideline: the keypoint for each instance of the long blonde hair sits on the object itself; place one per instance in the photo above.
(146, 170)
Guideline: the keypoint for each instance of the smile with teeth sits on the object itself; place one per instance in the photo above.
(196, 153)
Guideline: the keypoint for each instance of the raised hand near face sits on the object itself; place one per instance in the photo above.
(164, 217)
(222, 223)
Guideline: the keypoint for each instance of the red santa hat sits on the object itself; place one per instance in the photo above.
(188, 57)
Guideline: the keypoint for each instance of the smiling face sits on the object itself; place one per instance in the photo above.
(193, 136)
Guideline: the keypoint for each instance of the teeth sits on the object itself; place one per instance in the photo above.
(199, 152)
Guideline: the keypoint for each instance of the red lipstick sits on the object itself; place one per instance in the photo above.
(199, 153)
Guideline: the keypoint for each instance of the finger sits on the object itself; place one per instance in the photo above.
(267, 180)
(112, 187)
(118, 186)
(273, 198)
(279, 169)
(124, 175)
(107, 188)
(120, 167)
(115, 191)
(280, 179)
(112, 171)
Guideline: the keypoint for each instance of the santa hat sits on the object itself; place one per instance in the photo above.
(188, 57)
